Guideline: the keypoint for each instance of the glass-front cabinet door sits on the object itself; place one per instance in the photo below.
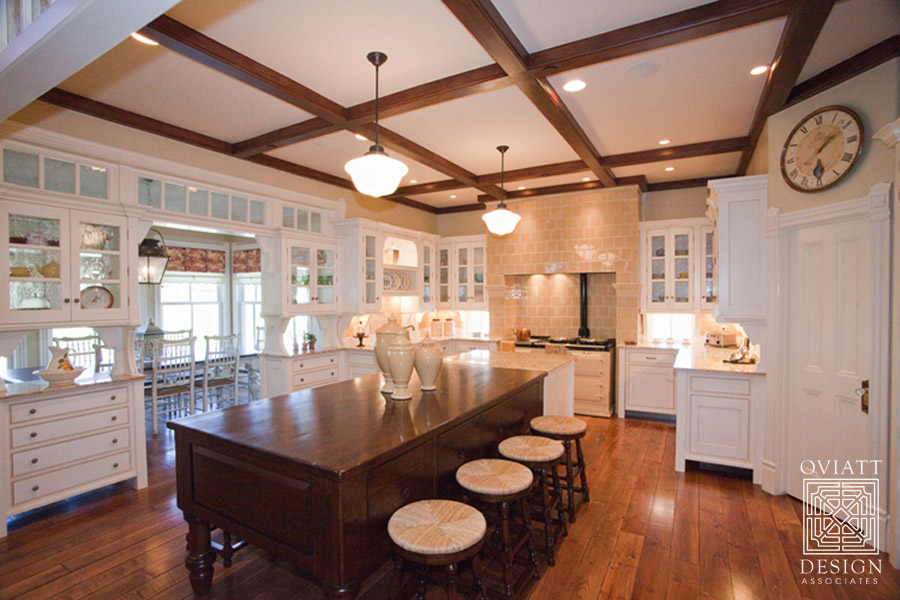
(670, 256)
(38, 287)
(427, 275)
(312, 277)
(479, 299)
(370, 295)
(709, 292)
(682, 257)
(300, 275)
(657, 258)
(324, 290)
(463, 276)
(443, 265)
(99, 267)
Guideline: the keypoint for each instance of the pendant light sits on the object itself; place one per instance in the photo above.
(153, 258)
(501, 220)
(375, 173)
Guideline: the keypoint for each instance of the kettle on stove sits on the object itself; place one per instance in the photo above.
(523, 334)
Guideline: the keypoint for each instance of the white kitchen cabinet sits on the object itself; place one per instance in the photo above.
(311, 277)
(57, 444)
(739, 207)
(357, 363)
(709, 279)
(719, 419)
(593, 383)
(647, 381)
(444, 285)
(428, 274)
(64, 266)
(670, 269)
(461, 271)
(285, 374)
(462, 345)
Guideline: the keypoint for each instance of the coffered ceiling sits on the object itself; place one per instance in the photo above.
(287, 85)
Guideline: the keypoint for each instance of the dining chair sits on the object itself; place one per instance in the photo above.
(106, 357)
(177, 334)
(220, 368)
(82, 351)
(171, 388)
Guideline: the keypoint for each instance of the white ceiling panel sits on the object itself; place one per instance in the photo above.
(718, 165)
(330, 153)
(323, 44)
(530, 184)
(567, 20)
(453, 198)
(468, 131)
(157, 83)
(852, 27)
(701, 91)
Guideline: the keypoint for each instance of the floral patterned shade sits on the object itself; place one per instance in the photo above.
(195, 260)
(246, 261)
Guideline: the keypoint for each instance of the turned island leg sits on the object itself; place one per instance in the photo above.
(201, 556)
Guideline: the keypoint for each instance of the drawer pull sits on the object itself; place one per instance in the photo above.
(115, 440)
(649, 358)
(332, 373)
(332, 360)
(115, 465)
(34, 461)
(34, 434)
(404, 493)
(113, 418)
(301, 365)
(302, 380)
(32, 411)
(113, 397)
(35, 488)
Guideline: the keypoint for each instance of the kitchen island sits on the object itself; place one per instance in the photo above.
(314, 476)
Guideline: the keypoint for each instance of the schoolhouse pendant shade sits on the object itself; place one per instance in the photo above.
(501, 220)
(375, 173)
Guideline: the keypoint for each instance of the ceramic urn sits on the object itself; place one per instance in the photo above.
(401, 357)
(387, 335)
(428, 361)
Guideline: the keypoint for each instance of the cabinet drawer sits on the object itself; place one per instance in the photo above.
(720, 427)
(39, 486)
(737, 386)
(315, 362)
(40, 409)
(591, 388)
(360, 359)
(446, 349)
(311, 378)
(22, 436)
(31, 461)
(649, 357)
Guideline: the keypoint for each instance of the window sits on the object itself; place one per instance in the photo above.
(475, 323)
(670, 327)
(248, 299)
(293, 336)
(192, 302)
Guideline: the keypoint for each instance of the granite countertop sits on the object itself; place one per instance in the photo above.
(709, 358)
(85, 380)
(513, 360)
(351, 343)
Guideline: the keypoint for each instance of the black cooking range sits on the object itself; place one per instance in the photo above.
(576, 343)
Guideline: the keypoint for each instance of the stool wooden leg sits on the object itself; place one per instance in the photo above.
(478, 574)
(548, 530)
(396, 577)
(586, 495)
(423, 584)
(570, 480)
(451, 581)
(526, 519)
(560, 511)
(506, 549)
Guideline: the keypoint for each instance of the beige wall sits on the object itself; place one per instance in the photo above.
(49, 117)
(875, 97)
(673, 204)
(465, 223)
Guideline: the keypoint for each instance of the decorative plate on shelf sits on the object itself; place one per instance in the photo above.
(96, 296)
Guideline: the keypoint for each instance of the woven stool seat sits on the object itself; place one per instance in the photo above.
(494, 476)
(557, 425)
(530, 448)
(436, 527)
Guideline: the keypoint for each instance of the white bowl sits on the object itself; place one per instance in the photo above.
(58, 377)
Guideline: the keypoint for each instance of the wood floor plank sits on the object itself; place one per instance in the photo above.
(652, 578)
(715, 566)
(619, 581)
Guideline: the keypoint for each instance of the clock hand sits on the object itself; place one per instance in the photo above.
(822, 147)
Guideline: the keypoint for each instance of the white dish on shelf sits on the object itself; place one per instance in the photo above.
(59, 377)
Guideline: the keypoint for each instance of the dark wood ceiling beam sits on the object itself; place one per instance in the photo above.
(295, 169)
(447, 210)
(580, 186)
(841, 72)
(679, 184)
(489, 29)
(194, 45)
(638, 180)
(804, 24)
(86, 106)
(292, 134)
(676, 152)
(708, 19)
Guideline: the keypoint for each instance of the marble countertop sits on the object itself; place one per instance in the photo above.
(514, 360)
(85, 380)
(709, 358)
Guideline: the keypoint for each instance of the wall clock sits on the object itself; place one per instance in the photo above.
(822, 149)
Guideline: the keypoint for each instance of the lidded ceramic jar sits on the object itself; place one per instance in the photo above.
(401, 357)
(386, 336)
(428, 361)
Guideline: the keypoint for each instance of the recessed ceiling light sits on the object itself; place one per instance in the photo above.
(362, 137)
(521, 187)
(759, 70)
(670, 168)
(575, 85)
(641, 70)
(585, 178)
(144, 39)
(453, 195)
(664, 142)
(413, 181)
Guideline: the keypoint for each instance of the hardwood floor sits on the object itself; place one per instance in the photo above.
(648, 532)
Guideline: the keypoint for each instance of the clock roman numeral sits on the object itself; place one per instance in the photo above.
(804, 129)
(804, 181)
(835, 172)
(789, 161)
(818, 119)
(845, 125)
(793, 173)
(852, 139)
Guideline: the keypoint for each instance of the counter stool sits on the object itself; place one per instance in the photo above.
(541, 455)
(437, 533)
(502, 483)
(565, 430)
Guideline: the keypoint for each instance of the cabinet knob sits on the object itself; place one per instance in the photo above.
(302, 380)
(32, 411)
(35, 488)
(301, 365)
(66, 300)
(115, 465)
(113, 397)
(115, 440)
(34, 461)
(76, 300)
(113, 418)
(34, 434)
(332, 373)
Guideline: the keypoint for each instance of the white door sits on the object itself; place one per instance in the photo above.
(830, 343)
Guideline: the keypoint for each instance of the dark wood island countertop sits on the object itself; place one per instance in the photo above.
(314, 475)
